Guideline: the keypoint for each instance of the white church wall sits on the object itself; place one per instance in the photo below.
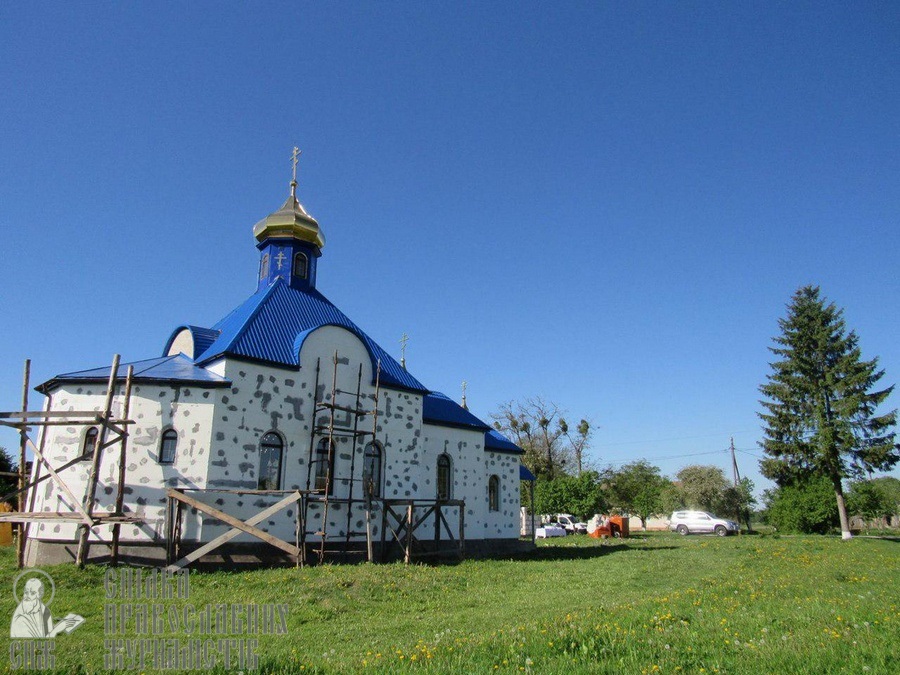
(219, 433)
(187, 410)
(503, 522)
(465, 447)
(264, 398)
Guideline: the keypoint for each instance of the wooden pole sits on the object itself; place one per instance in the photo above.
(437, 526)
(120, 488)
(91, 490)
(370, 552)
(36, 475)
(299, 560)
(23, 443)
(384, 514)
(407, 556)
(462, 529)
(170, 527)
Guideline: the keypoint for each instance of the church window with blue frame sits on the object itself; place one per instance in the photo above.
(372, 470)
(271, 449)
(167, 446)
(444, 473)
(264, 266)
(301, 265)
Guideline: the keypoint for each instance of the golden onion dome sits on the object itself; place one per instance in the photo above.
(291, 221)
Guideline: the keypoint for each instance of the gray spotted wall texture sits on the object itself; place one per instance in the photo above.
(219, 433)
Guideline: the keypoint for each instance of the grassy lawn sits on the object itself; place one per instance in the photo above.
(653, 603)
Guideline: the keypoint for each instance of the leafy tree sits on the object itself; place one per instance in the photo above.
(738, 501)
(579, 441)
(806, 506)
(820, 406)
(671, 498)
(539, 428)
(876, 499)
(704, 487)
(636, 489)
(581, 495)
(8, 465)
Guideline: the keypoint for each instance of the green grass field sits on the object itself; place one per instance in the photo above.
(651, 604)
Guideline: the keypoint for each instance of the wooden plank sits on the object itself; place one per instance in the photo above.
(58, 516)
(240, 524)
(61, 483)
(446, 525)
(40, 479)
(23, 444)
(94, 474)
(388, 527)
(231, 534)
(91, 415)
(423, 517)
(407, 556)
(120, 487)
(462, 531)
(241, 492)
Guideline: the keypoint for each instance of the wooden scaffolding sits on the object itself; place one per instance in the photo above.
(400, 519)
(112, 430)
(320, 480)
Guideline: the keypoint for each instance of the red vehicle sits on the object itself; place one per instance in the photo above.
(616, 526)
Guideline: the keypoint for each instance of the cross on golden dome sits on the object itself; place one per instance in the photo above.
(295, 158)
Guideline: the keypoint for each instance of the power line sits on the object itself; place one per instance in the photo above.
(675, 438)
(657, 459)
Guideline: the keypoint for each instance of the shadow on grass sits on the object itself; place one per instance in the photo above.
(545, 553)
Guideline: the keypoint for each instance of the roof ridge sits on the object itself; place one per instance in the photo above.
(239, 331)
(121, 365)
(160, 360)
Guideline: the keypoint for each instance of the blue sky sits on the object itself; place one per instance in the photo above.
(605, 204)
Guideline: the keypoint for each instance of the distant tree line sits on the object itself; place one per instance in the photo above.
(555, 453)
(825, 434)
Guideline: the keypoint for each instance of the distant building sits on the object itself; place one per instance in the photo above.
(243, 405)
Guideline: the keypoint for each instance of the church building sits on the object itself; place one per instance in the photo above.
(285, 393)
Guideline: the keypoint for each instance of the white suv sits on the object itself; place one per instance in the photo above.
(685, 522)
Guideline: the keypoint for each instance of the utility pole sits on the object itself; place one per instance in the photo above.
(734, 466)
(737, 483)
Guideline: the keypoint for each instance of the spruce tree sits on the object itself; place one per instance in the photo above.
(821, 404)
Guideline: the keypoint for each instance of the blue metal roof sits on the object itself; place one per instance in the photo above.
(525, 474)
(178, 368)
(494, 440)
(271, 324)
(438, 408)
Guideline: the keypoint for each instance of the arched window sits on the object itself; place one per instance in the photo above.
(443, 477)
(324, 466)
(372, 470)
(301, 265)
(167, 445)
(270, 451)
(264, 266)
(90, 439)
(494, 493)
